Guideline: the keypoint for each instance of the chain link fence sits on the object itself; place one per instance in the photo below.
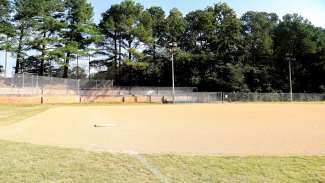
(202, 97)
(272, 97)
(138, 91)
(29, 84)
(195, 97)
(33, 85)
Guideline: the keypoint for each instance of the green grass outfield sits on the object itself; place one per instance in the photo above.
(10, 114)
(21, 162)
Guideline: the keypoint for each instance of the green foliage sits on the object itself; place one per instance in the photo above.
(77, 73)
(6, 27)
(217, 51)
(176, 25)
(47, 27)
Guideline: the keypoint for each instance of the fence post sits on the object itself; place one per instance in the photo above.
(36, 81)
(78, 86)
(23, 81)
(42, 95)
(222, 95)
(33, 81)
(66, 86)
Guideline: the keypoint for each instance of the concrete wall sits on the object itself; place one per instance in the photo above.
(157, 100)
(143, 99)
(19, 100)
(101, 99)
(61, 100)
(130, 100)
(76, 99)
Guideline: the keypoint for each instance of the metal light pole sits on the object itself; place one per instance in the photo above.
(173, 78)
(290, 78)
(77, 67)
(173, 47)
(289, 58)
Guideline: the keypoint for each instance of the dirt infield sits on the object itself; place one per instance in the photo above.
(215, 129)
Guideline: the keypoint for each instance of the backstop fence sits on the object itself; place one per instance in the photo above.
(33, 85)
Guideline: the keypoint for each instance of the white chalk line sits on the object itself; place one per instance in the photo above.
(149, 166)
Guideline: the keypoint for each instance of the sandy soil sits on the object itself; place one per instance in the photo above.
(216, 129)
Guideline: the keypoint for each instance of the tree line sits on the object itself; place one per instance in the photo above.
(216, 50)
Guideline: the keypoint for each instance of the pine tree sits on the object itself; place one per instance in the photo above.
(78, 33)
(6, 29)
(25, 11)
(46, 32)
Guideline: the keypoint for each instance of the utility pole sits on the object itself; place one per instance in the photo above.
(173, 78)
(290, 78)
(289, 59)
(77, 66)
(173, 47)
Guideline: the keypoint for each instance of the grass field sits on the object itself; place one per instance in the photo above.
(10, 114)
(33, 163)
(23, 162)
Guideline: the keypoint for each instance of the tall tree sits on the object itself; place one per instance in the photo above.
(219, 66)
(257, 30)
(176, 26)
(226, 39)
(157, 28)
(24, 23)
(110, 46)
(200, 29)
(125, 28)
(133, 27)
(46, 31)
(7, 31)
(78, 31)
(294, 38)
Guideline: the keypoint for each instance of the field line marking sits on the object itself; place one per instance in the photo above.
(154, 170)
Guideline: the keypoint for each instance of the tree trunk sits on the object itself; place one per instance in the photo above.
(130, 59)
(129, 47)
(41, 71)
(115, 56)
(120, 58)
(6, 56)
(66, 66)
(19, 50)
(154, 50)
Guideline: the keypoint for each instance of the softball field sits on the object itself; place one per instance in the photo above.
(263, 129)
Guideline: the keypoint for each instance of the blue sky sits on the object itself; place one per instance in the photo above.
(314, 10)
